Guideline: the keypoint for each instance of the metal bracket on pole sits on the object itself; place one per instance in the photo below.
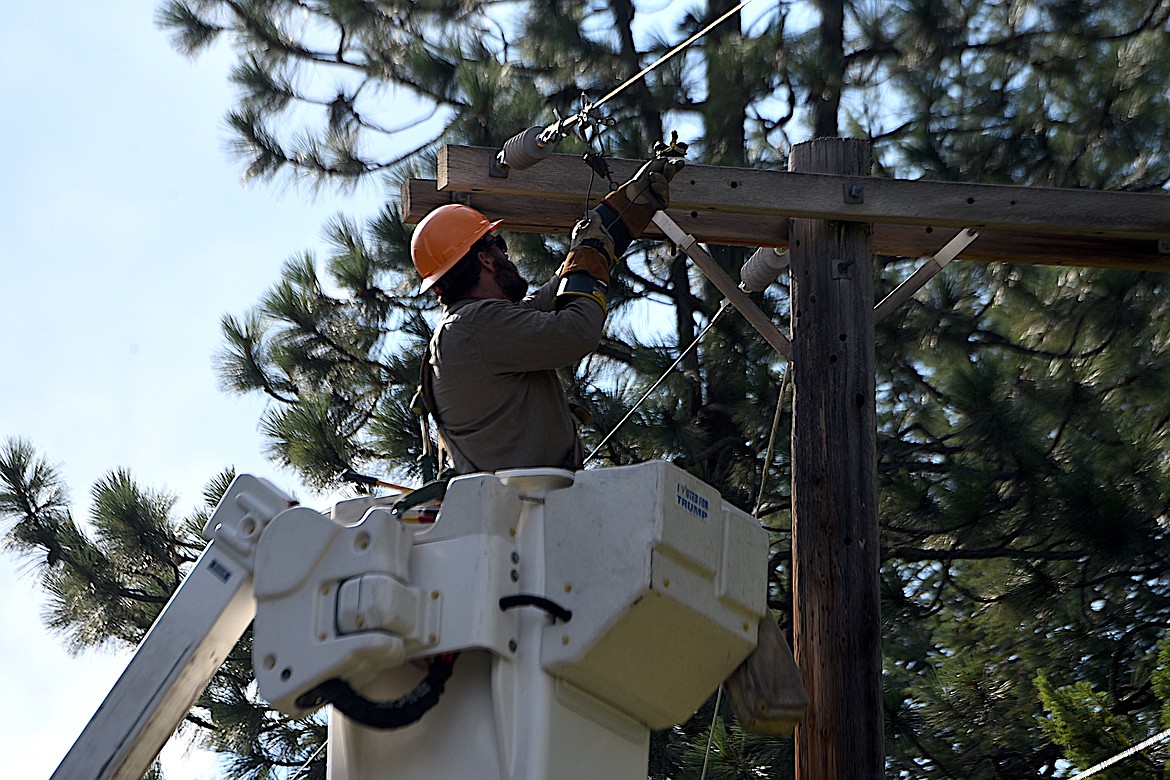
(718, 277)
(924, 273)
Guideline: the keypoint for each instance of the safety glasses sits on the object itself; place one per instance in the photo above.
(495, 242)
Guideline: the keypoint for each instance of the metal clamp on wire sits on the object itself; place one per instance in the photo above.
(529, 147)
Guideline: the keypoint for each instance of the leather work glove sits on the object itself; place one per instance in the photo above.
(630, 208)
(590, 249)
(636, 201)
(651, 184)
(585, 272)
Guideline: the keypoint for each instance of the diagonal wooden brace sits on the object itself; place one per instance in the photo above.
(923, 274)
(718, 277)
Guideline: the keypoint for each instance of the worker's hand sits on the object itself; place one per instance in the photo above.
(636, 201)
(585, 272)
(651, 184)
(590, 232)
(590, 249)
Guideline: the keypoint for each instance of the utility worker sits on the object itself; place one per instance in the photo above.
(489, 376)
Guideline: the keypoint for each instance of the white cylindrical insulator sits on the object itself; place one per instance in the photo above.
(524, 150)
(762, 268)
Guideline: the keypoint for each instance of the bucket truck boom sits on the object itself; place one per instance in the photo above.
(540, 627)
(183, 649)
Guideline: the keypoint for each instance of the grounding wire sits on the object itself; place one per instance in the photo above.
(723, 308)
(308, 761)
(711, 731)
(1162, 737)
(617, 90)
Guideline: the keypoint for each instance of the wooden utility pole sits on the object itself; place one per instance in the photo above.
(835, 546)
(833, 215)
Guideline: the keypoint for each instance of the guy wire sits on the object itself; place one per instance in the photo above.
(1161, 737)
(772, 438)
(308, 761)
(711, 732)
(723, 308)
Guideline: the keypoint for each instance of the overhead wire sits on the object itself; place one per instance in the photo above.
(584, 115)
(723, 308)
(587, 112)
(621, 87)
(587, 115)
(1162, 737)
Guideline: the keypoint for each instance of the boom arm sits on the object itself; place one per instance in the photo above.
(346, 605)
(186, 645)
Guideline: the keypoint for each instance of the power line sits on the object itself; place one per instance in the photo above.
(671, 53)
(1162, 737)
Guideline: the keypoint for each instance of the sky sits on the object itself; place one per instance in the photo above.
(125, 235)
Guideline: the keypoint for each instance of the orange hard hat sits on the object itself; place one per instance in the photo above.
(443, 238)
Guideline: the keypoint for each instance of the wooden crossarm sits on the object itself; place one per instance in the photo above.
(525, 214)
(747, 191)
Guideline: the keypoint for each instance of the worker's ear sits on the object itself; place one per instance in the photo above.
(487, 260)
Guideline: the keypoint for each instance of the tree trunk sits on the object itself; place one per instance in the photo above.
(829, 80)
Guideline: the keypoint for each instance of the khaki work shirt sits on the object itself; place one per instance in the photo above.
(498, 401)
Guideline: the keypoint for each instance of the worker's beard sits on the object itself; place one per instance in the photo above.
(514, 286)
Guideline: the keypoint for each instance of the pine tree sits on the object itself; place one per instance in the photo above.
(108, 578)
(1022, 410)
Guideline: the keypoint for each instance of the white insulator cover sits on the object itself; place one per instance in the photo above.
(762, 268)
(524, 150)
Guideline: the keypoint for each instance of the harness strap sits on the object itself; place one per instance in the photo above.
(427, 394)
